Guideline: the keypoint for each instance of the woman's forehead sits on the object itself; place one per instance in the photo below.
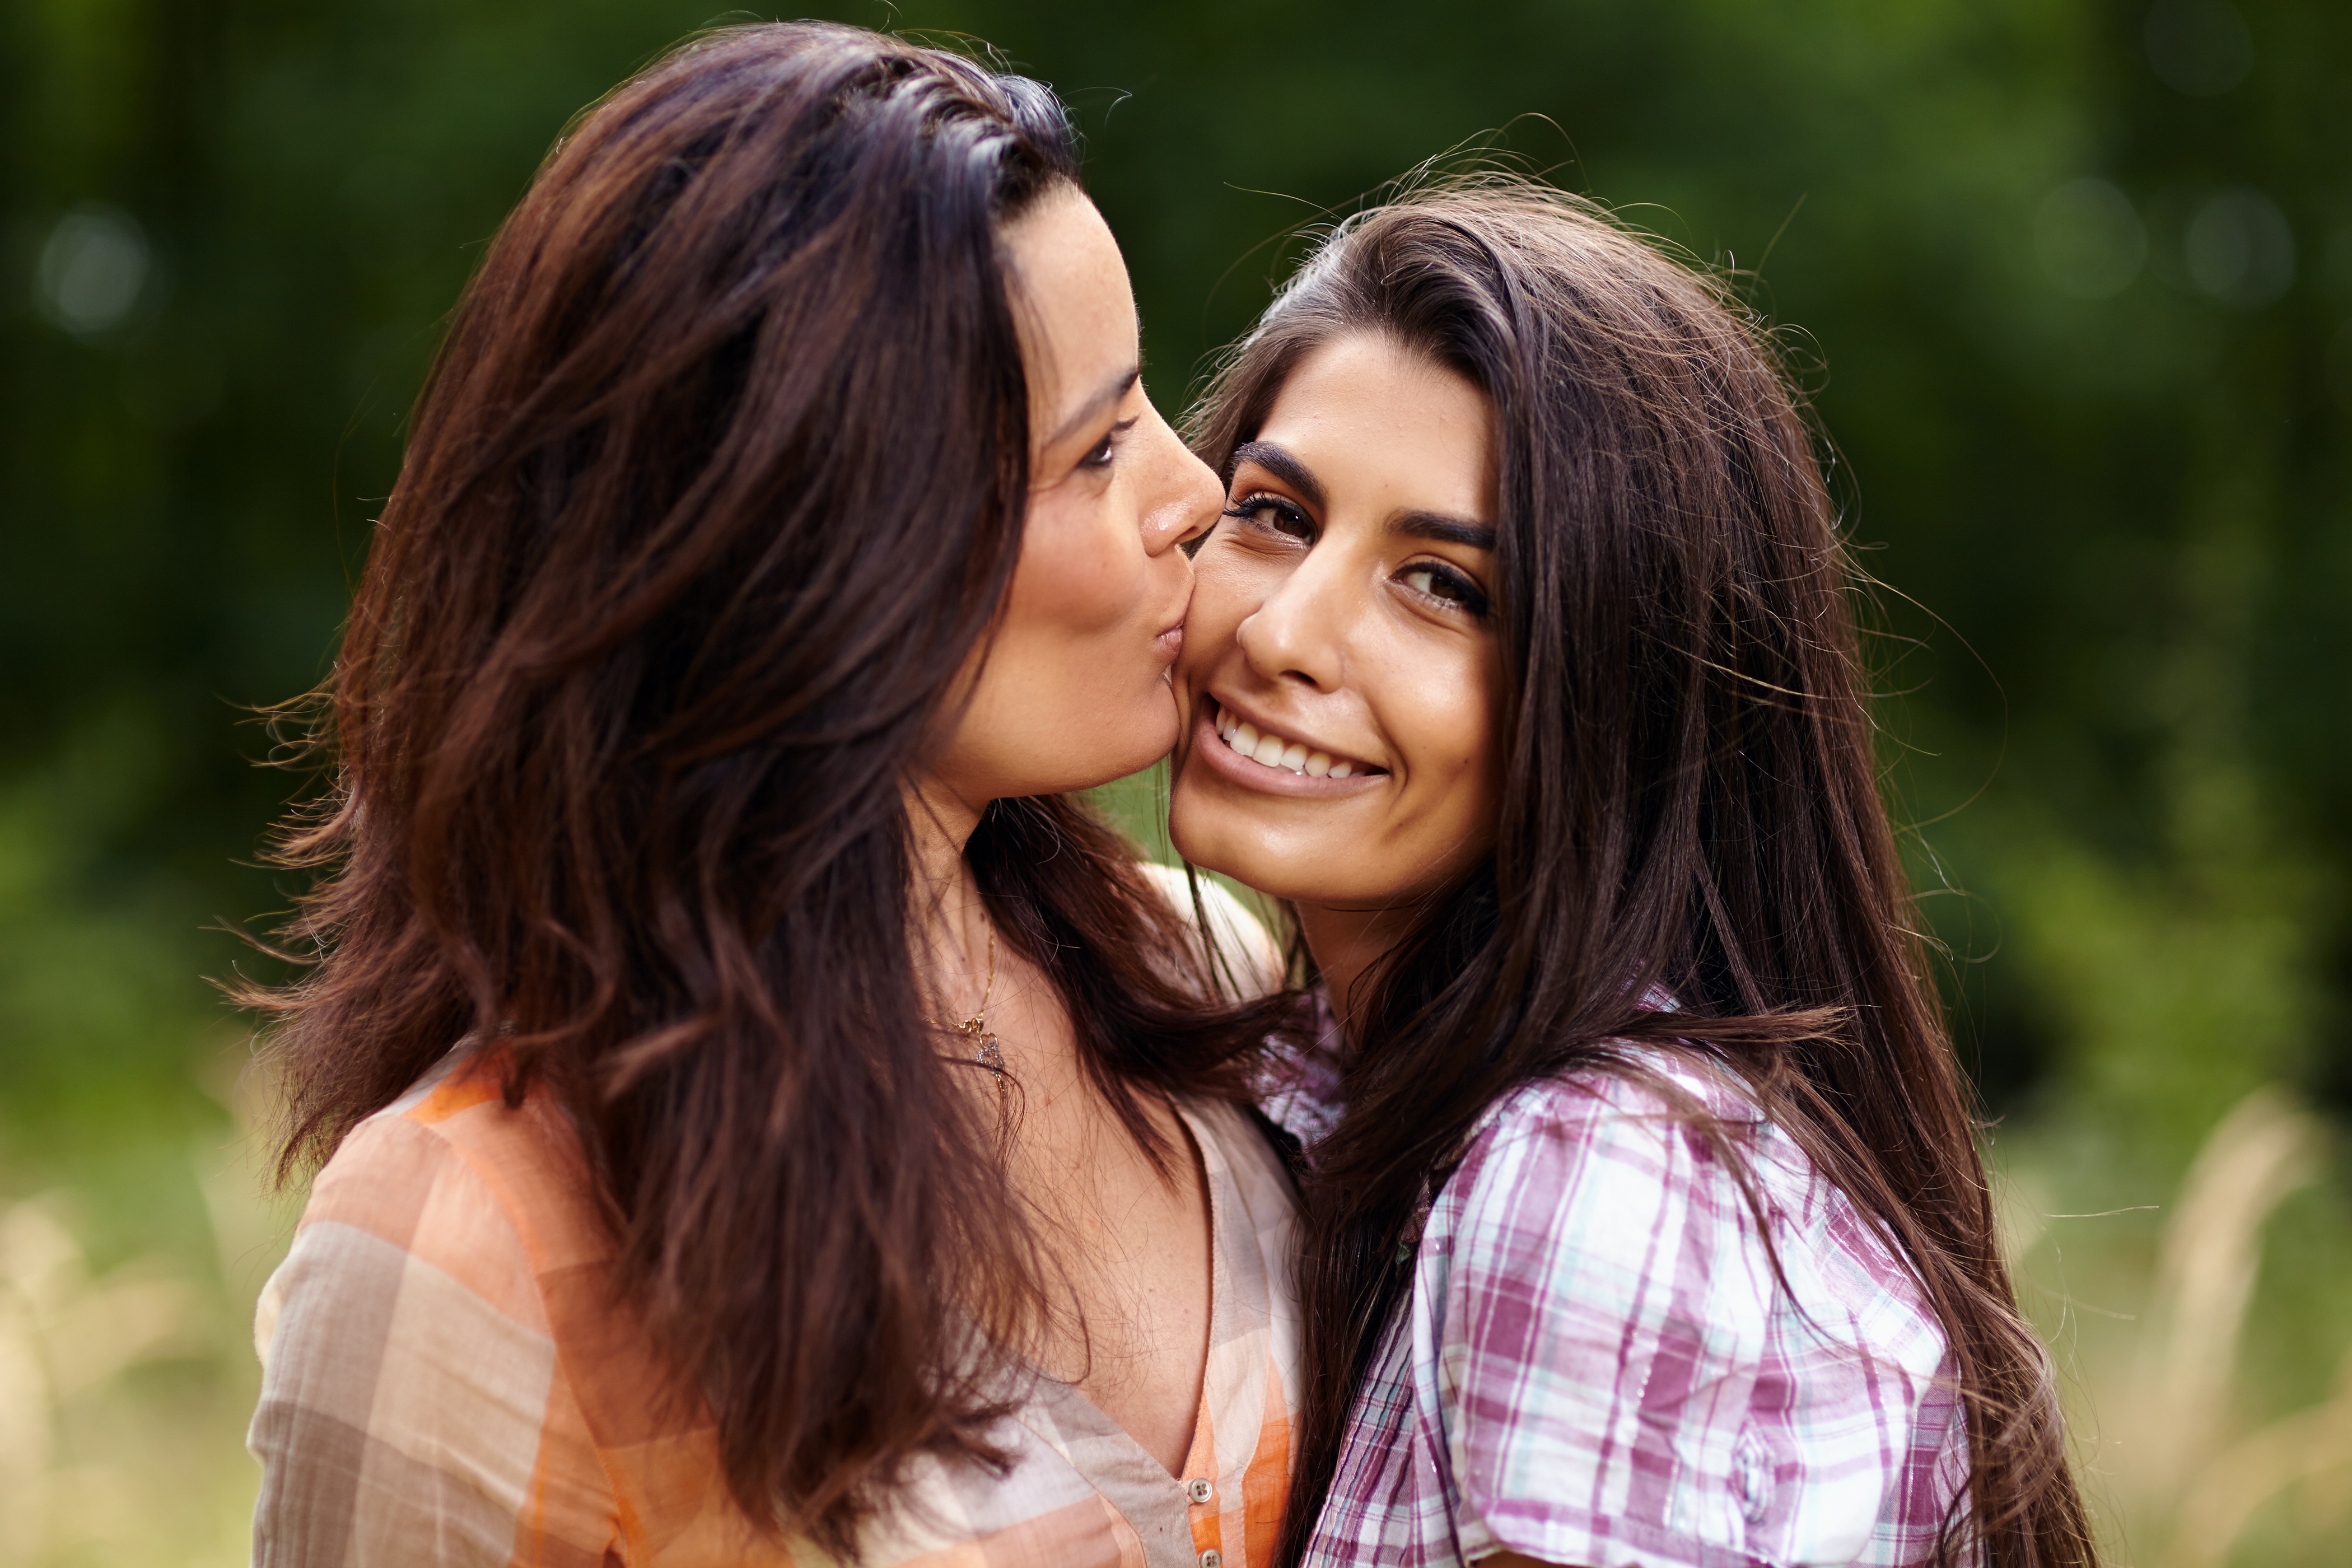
(1362, 413)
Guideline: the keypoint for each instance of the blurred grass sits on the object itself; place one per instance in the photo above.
(134, 1229)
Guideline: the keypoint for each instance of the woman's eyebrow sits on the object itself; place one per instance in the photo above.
(1106, 397)
(1278, 461)
(1445, 529)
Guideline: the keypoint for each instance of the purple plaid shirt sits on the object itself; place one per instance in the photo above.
(1598, 1365)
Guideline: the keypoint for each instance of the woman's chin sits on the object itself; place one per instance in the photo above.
(1216, 837)
(1109, 759)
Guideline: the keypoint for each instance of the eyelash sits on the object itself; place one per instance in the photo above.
(1465, 594)
(1246, 510)
(1108, 448)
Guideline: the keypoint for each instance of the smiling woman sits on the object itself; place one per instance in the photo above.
(1645, 1225)
(1356, 698)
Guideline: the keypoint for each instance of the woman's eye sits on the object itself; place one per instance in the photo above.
(1441, 583)
(1106, 448)
(1273, 514)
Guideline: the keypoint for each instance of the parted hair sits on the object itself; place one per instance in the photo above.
(716, 484)
(1690, 800)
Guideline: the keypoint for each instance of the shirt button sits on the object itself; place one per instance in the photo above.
(1212, 1558)
(1199, 1491)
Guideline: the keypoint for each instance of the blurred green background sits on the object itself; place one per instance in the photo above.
(2072, 283)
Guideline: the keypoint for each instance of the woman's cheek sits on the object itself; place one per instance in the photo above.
(1464, 722)
(1225, 592)
(1432, 708)
(1074, 572)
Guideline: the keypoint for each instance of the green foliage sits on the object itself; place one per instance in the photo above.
(2082, 338)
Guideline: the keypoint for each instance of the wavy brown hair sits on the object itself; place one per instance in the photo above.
(716, 483)
(1691, 800)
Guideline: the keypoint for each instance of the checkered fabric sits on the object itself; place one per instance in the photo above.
(447, 1380)
(1599, 1367)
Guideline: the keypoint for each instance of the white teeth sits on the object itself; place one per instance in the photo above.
(1274, 752)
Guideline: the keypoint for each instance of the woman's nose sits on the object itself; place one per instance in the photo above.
(1187, 496)
(1295, 632)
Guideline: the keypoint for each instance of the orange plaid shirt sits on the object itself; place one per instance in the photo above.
(447, 1380)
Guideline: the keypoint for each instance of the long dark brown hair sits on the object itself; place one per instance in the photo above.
(717, 480)
(1690, 801)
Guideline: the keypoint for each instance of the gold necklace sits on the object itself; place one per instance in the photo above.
(976, 1027)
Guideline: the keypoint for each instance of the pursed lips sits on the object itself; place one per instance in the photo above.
(1171, 642)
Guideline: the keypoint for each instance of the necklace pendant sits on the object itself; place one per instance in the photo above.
(991, 1057)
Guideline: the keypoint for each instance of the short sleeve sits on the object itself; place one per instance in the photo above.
(407, 1367)
(1603, 1321)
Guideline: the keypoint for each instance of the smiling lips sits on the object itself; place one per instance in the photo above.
(1269, 750)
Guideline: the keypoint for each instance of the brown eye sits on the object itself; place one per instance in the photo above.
(1108, 448)
(1444, 583)
(1273, 514)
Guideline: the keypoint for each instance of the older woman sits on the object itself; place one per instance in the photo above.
(765, 1119)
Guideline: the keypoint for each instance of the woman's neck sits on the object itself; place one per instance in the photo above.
(1347, 943)
(1124, 1234)
(947, 914)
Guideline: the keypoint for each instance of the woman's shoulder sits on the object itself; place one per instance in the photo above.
(1659, 1157)
(453, 1172)
(1669, 1133)
(451, 1184)
(1639, 1274)
(1631, 1102)
(443, 1358)
(1605, 1166)
(1237, 933)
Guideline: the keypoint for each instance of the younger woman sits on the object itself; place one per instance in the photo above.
(1646, 1223)
(770, 1123)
